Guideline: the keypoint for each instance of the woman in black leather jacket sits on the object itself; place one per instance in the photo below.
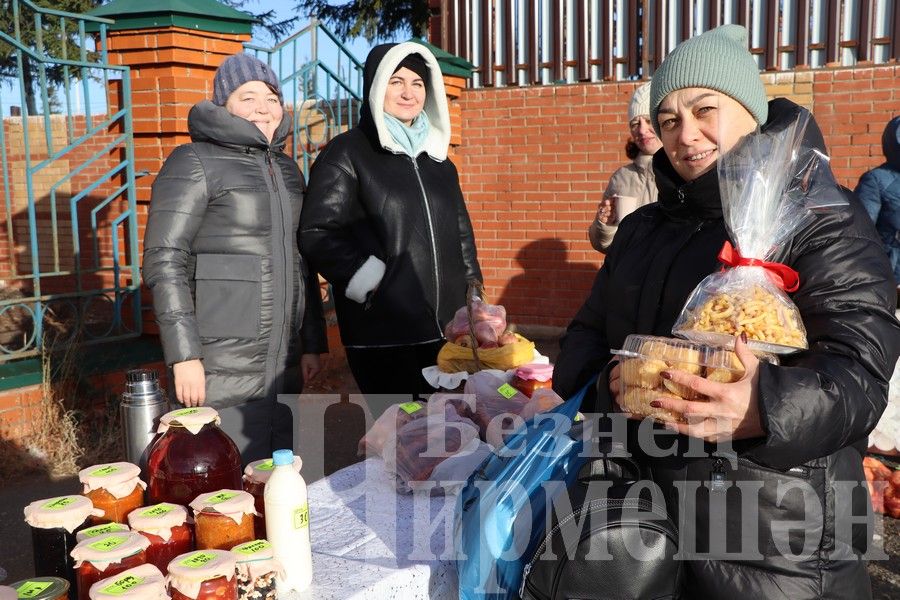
(239, 313)
(385, 223)
(780, 496)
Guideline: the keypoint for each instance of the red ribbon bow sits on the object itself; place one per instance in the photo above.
(780, 274)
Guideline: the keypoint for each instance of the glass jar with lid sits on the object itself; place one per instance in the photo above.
(257, 570)
(192, 456)
(533, 376)
(115, 488)
(203, 575)
(167, 529)
(53, 523)
(223, 519)
(144, 582)
(43, 588)
(101, 529)
(107, 555)
(256, 474)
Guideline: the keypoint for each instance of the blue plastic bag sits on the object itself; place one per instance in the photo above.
(500, 513)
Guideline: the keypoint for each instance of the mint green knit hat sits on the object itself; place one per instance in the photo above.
(717, 59)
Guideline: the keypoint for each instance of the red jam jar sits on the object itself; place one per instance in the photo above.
(203, 575)
(114, 488)
(53, 523)
(167, 529)
(42, 588)
(104, 556)
(533, 376)
(144, 582)
(223, 519)
(191, 457)
(256, 474)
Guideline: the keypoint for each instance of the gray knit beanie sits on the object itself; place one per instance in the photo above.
(237, 70)
(717, 59)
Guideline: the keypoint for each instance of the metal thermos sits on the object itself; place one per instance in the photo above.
(143, 403)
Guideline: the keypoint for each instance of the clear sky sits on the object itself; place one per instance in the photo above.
(9, 95)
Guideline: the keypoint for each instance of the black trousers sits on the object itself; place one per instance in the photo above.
(396, 370)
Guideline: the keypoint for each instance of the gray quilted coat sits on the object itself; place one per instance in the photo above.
(221, 258)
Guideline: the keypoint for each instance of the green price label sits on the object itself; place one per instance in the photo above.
(97, 530)
(579, 417)
(195, 561)
(252, 547)
(104, 471)
(301, 517)
(507, 391)
(185, 412)
(221, 497)
(266, 465)
(120, 586)
(157, 511)
(110, 543)
(31, 589)
(410, 407)
(60, 503)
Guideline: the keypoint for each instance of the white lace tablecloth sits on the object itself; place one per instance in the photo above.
(369, 541)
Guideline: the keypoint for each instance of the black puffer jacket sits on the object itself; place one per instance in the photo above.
(367, 199)
(815, 407)
(221, 258)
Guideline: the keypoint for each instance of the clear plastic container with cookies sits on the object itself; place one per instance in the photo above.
(772, 184)
(643, 358)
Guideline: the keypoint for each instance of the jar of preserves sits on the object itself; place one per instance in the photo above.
(191, 457)
(101, 529)
(533, 376)
(144, 582)
(257, 570)
(223, 519)
(166, 528)
(203, 575)
(43, 588)
(256, 474)
(53, 523)
(115, 488)
(107, 555)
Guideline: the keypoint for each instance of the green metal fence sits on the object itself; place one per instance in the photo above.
(69, 270)
(322, 83)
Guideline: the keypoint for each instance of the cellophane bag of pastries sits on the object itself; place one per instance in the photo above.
(771, 185)
(643, 358)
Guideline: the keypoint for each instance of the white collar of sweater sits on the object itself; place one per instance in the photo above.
(438, 141)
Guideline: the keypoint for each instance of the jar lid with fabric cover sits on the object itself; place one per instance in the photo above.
(106, 549)
(144, 582)
(188, 572)
(67, 512)
(101, 529)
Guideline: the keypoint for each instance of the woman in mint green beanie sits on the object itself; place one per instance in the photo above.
(782, 511)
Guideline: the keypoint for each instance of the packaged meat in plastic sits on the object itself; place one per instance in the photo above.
(498, 406)
(387, 425)
(488, 322)
(422, 444)
(771, 185)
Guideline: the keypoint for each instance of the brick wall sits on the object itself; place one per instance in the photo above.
(534, 162)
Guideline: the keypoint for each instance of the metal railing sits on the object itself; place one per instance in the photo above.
(525, 42)
(71, 271)
(322, 85)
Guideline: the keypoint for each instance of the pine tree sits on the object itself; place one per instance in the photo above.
(372, 19)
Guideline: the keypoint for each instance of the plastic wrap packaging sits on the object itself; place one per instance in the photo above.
(422, 444)
(387, 426)
(498, 407)
(771, 185)
(643, 358)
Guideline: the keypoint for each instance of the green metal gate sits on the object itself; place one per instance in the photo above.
(69, 271)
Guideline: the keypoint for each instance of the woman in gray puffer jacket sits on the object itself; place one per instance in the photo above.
(235, 303)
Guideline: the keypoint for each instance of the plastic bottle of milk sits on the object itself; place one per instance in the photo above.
(287, 522)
